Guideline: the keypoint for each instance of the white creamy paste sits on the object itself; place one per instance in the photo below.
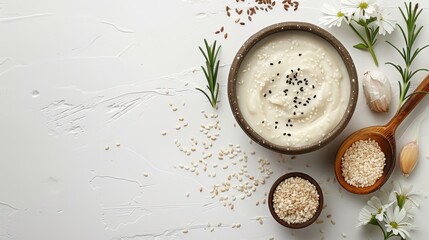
(293, 88)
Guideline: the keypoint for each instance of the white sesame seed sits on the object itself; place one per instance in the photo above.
(362, 164)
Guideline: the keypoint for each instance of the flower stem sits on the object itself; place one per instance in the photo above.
(384, 233)
(367, 42)
(371, 50)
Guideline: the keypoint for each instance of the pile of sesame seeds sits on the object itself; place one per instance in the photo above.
(362, 164)
(225, 165)
(244, 11)
(295, 200)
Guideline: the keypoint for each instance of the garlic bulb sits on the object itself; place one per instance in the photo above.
(377, 90)
(408, 157)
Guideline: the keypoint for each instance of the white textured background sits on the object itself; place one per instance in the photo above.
(85, 93)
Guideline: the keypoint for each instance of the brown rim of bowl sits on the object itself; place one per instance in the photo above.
(303, 176)
(296, 26)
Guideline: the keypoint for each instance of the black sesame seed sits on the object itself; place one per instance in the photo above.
(280, 62)
(305, 104)
(275, 127)
(295, 98)
(287, 76)
(288, 120)
(302, 113)
(276, 122)
(265, 94)
(301, 89)
(291, 70)
(263, 121)
(313, 86)
(296, 106)
(287, 125)
(278, 74)
(289, 134)
(294, 113)
(294, 101)
(299, 102)
(314, 96)
(299, 69)
(269, 91)
(271, 64)
(291, 125)
(300, 54)
(284, 134)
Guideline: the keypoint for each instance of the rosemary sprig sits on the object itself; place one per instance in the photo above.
(210, 72)
(408, 53)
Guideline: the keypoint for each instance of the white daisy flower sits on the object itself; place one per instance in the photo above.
(334, 15)
(376, 207)
(396, 222)
(360, 9)
(365, 217)
(383, 20)
(401, 194)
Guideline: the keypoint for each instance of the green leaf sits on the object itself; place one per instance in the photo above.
(361, 46)
(210, 70)
(199, 89)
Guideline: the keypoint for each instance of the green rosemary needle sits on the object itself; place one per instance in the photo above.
(408, 53)
(210, 71)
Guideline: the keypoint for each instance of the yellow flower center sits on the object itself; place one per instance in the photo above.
(340, 14)
(363, 5)
(394, 225)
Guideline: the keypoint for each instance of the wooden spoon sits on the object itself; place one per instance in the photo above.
(385, 137)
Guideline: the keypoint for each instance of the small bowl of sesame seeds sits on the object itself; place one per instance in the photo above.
(292, 87)
(295, 200)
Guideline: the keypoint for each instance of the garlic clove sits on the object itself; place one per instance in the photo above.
(408, 157)
(377, 91)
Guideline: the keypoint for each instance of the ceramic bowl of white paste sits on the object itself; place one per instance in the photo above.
(292, 87)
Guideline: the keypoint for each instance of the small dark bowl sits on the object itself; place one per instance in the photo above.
(284, 27)
(271, 196)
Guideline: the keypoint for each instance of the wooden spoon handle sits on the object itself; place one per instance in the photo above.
(409, 105)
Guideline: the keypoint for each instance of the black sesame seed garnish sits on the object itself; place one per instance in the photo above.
(302, 113)
(299, 69)
(314, 96)
(276, 122)
(294, 113)
(280, 62)
(294, 101)
(284, 134)
(271, 64)
(275, 127)
(265, 94)
(269, 91)
(300, 103)
(305, 104)
(291, 70)
(313, 86)
(296, 106)
(289, 134)
(288, 120)
(287, 125)
(300, 54)
(278, 74)
(291, 125)
(263, 121)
